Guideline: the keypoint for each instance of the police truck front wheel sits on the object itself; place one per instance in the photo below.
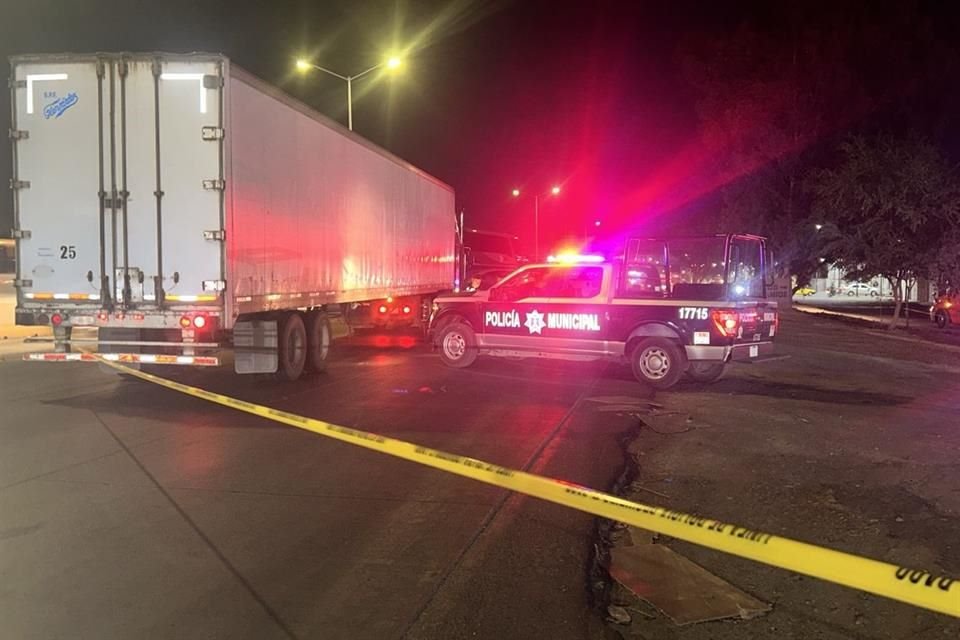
(705, 371)
(658, 362)
(458, 345)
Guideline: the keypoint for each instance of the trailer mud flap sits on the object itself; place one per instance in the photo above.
(255, 346)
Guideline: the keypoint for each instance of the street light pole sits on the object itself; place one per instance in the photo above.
(536, 228)
(349, 103)
(554, 190)
(391, 63)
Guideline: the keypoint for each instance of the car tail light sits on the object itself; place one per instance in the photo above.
(383, 308)
(406, 309)
(56, 319)
(185, 322)
(726, 321)
(199, 322)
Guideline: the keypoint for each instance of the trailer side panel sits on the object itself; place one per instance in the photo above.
(318, 215)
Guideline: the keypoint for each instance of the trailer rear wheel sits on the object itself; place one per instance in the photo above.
(318, 341)
(292, 346)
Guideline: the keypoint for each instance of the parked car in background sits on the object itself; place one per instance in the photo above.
(805, 291)
(946, 309)
(859, 289)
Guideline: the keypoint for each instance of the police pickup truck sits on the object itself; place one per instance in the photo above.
(668, 306)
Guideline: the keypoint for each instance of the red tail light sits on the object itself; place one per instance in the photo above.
(56, 319)
(726, 321)
(406, 310)
(199, 322)
(383, 308)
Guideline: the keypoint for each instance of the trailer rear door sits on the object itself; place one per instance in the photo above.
(55, 179)
(119, 179)
(173, 147)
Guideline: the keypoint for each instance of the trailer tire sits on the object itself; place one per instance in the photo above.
(705, 371)
(291, 347)
(318, 341)
(658, 362)
(457, 344)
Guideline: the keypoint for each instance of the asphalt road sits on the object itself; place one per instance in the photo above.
(853, 443)
(130, 511)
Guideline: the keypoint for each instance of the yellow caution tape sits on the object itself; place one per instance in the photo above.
(913, 586)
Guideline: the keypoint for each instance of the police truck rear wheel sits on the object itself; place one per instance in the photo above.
(458, 345)
(292, 347)
(657, 362)
(941, 319)
(705, 371)
(318, 341)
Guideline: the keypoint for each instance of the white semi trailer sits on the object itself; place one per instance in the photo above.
(181, 205)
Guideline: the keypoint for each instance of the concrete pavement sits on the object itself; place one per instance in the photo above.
(132, 512)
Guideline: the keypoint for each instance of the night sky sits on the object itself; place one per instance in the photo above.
(497, 95)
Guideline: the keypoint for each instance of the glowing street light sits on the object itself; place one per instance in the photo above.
(392, 63)
(554, 191)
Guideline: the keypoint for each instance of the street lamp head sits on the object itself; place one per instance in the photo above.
(555, 190)
(515, 193)
(303, 65)
(596, 223)
(394, 62)
(818, 226)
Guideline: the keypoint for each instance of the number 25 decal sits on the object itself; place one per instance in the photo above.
(693, 313)
(68, 252)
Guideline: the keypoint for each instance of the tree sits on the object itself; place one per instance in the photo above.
(890, 206)
(946, 267)
(775, 96)
(767, 101)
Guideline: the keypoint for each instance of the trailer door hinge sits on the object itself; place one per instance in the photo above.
(17, 84)
(213, 133)
(19, 184)
(212, 82)
(22, 282)
(22, 234)
(214, 234)
(19, 134)
(216, 185)
(111, 203)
